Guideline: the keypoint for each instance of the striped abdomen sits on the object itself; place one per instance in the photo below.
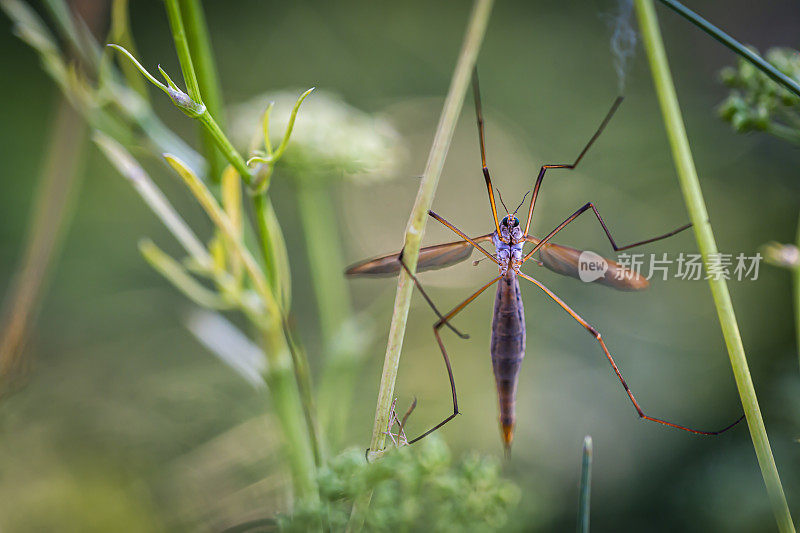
(508, 349)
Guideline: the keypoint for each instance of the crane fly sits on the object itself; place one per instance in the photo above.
(508, 322)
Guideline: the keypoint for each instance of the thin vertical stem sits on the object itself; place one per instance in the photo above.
(203, 59)
(280, 353)
(586, 486)
(182, 47)
(796, 282)
(263, 211)
(227, 148)
(459, 84)
(698, 214)
(334, 307)
(287, 404)
(213, 129)
(262, 208)
(324, 255)
(419, 213)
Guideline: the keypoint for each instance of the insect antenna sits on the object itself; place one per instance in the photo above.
(501, 201)
(520, 204)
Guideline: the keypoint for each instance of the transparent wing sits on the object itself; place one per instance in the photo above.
(430, 258)
(566, 261)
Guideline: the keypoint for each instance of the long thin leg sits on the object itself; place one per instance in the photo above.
(617, 248)
(599, 338)
(544, 168)
(476, 92)
(462, 235)
(427, 298)
(436, 328)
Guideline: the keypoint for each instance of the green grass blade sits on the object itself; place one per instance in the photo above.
(177, 274)
(419, 214)
(459, 84)
(182, 48)
(796, 282)
(124, 162)
(586, 486)
(199, 42)
(693, 196)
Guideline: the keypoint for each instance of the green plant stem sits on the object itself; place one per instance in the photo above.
(182, 48)
(324, 255)
(260, 203)
(698, 214)
(127, 118)
(586, 486)
(199, 45)
(419, 213)
(796, 281)
(226, 147)
(193, 89)
(459, 84)
(262, 208)
(734, 45)
(203, 59)
(217, 215)
(197, 110)
(303, 376)
(287, 403)
(334, 308)
(286, 395)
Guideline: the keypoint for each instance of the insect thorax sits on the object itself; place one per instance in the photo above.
(508, 249)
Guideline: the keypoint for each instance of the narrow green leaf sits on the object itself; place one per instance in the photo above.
(153, 197)
(141, 69)
(174, 272)
(231, 188)
(289, 126)
(749, 55)
(224, 224)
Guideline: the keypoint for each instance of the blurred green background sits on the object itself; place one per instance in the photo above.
(125, 422)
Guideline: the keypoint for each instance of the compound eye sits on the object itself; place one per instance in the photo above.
(516, 222)
(504, 222)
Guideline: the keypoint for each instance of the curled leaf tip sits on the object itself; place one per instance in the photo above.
(178, 97)
(331, 140)
(166, 77)
(139, 67)
(259, 159)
